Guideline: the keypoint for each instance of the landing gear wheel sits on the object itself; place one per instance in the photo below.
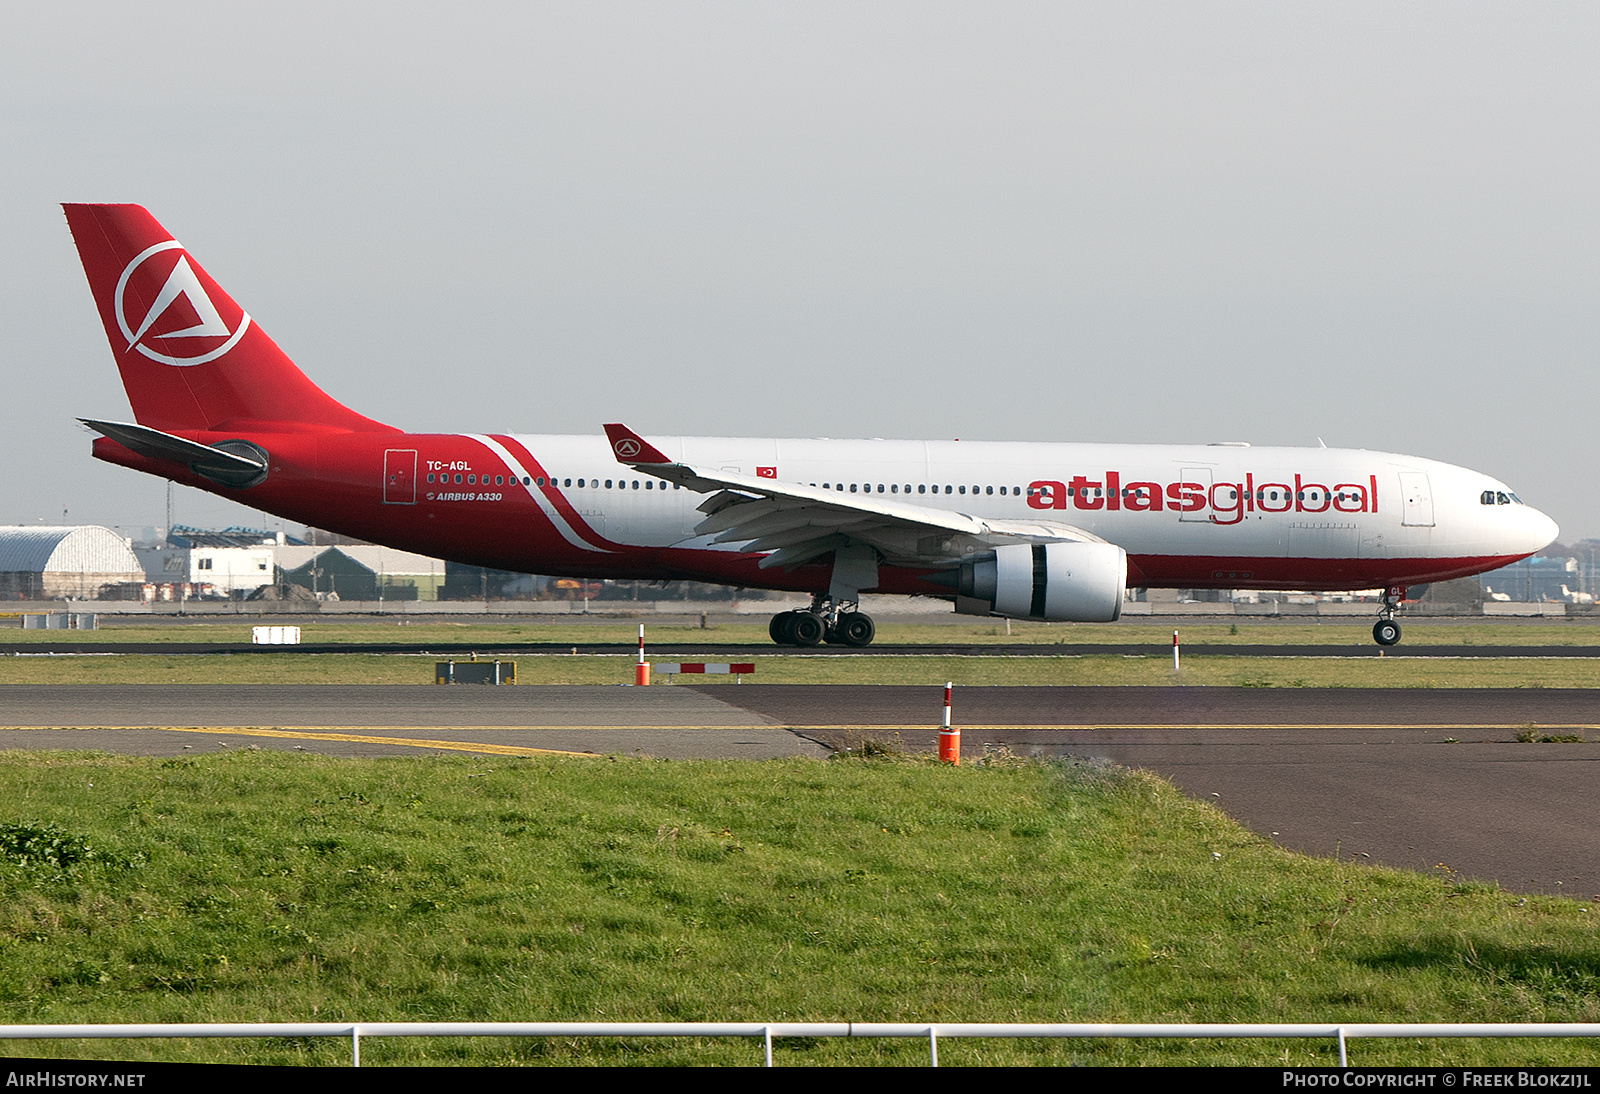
(856, 629)
(833, 637)
(782, 628)
(808, 629)
(1386, 632)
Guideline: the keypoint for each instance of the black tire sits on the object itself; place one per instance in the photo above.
(782, 628)
(808, 629)
(833, 637)
(857, 629)
(1386, 632)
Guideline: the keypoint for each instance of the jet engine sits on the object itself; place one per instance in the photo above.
(1059, 582)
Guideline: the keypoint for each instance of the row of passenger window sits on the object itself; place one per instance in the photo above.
(621, 484)
(895, 488)
(499, 480)
(593, 484)
(1488, 497)
(652, 484)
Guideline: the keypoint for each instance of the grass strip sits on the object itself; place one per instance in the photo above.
(263, 886)
(844, 668)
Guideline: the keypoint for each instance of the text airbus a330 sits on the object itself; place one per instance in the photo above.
(1027, 531)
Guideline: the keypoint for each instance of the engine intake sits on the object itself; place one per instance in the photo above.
(1059, 582)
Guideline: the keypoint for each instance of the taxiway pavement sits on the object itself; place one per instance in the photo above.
(1432, 780)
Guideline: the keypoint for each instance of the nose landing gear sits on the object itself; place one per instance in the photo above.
(1386, 632)
(826, 620)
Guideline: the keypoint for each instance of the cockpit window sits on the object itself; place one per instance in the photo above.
(1501, 499)
(1498, 497)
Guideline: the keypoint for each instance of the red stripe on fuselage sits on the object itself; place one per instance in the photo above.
(556, 497)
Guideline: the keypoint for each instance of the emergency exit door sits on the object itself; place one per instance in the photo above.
(400, 476)
(1195, 479)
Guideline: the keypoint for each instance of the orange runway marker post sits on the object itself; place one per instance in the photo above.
(641, 671)
(949, 738)
(1174, 650)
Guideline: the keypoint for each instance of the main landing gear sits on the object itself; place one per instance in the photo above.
(825, 621)
(1386, 632)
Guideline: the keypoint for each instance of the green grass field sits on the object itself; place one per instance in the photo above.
(287, 666)
(268, 887)
(972, 671)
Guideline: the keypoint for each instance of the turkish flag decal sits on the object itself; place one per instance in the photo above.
(766, 472)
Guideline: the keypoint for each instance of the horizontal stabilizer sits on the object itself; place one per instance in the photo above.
(243, 467)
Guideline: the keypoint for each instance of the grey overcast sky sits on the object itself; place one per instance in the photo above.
(1373, 223)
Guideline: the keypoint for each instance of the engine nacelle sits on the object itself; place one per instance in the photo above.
(1059, 582)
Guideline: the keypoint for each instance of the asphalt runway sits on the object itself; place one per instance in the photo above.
(744, 651)
(389, 720)
(1360, 773)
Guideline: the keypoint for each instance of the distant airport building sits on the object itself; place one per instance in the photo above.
(39, 562)
(360, 572)
(230, 563)
(253, 563)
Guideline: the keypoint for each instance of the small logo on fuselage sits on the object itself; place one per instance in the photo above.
(163, 276)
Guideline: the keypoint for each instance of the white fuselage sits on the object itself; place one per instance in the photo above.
(1211, 515)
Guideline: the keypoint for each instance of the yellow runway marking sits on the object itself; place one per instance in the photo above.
(359, 738)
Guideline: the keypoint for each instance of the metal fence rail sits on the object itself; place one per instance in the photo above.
(768, 1031)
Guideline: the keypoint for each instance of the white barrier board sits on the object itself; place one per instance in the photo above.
(275, 636)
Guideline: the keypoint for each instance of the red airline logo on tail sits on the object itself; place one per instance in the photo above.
(179, 308)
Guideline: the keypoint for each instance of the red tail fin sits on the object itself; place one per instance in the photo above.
(190, 358)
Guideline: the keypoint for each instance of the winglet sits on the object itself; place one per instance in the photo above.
(632, 449)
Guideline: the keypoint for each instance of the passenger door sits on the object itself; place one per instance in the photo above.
(1417, 500)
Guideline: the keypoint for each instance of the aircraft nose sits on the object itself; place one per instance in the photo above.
(1541, 530)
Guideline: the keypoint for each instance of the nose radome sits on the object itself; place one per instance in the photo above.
(1542, 531)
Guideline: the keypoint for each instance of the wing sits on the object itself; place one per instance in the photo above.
(796, 522)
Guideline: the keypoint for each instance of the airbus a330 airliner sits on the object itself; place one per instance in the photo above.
(1025, 531)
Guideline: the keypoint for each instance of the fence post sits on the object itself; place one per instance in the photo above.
(355, 1046)
(933, 1047)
